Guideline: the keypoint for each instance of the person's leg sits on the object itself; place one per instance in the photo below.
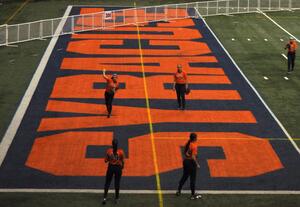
(289, 62)
(109, 175)
(182, 95)
(106, 95)
(193, 174)
(177, 87)
(118, 175)
(184, 176)
(293, 57)
(109, 103)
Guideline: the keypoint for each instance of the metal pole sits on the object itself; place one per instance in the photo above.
(186, 10)
(176, 11)
(93, 21)
(82, 22)
(238, 6)
(29, 28)
(41, 29)
(217, 7)
(248, 6)
(52, 27)
(290, 4)
(258, 4)
(72, 24)
(269, 4)
(207, 8)
(114, 17)
(6, 34)
(18, 33)
(227, 7)
(124, 17)
(145, 14)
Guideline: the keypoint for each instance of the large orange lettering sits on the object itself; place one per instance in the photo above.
(82, 86)
(154, 33)
(64, 154)
(134, 116)
(99, 47)
(164, 64)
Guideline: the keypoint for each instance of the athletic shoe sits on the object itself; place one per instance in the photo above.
(196, 196)
(104, 201)
(178, 193)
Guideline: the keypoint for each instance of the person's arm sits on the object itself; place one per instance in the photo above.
(187, 82)
(123, 160)
(174, 83)
(104, 75)
(106, 158)
(196, 161)
(287, 46)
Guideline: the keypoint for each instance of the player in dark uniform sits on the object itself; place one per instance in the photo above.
(190, 165)
(115, 159)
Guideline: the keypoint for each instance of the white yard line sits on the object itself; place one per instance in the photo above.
(283, 55)
(98, 191)
(16, 121)
(261, 99)
(290, 34)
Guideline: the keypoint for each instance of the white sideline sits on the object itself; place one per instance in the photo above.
(283, 55)
(278, 25)
(100, 191)
(16, 121)
(267, 107)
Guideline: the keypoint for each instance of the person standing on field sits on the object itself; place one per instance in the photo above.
(115, 159)
(180, 85)
(112, 86)
(291, 46)
(190, 165)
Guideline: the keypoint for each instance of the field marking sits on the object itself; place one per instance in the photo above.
(160, 197)
(19, 114)
(16, 12)
(278, 25)
(253, 88)
(99, 191)
(283, 55)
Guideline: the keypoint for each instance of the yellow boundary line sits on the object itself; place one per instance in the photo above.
(16, 12)
(160, 196)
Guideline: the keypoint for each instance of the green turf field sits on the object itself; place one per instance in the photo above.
(256, 58)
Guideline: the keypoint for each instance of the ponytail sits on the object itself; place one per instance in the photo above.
(115, 146)
(187, 146)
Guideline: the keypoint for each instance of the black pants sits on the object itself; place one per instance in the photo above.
(189, 170)
(109, 97)
(113, 170)
(180, 92)
(291, 61)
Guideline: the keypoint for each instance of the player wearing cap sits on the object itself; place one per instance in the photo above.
(115, 159)
(112, 86)
(291, 46)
